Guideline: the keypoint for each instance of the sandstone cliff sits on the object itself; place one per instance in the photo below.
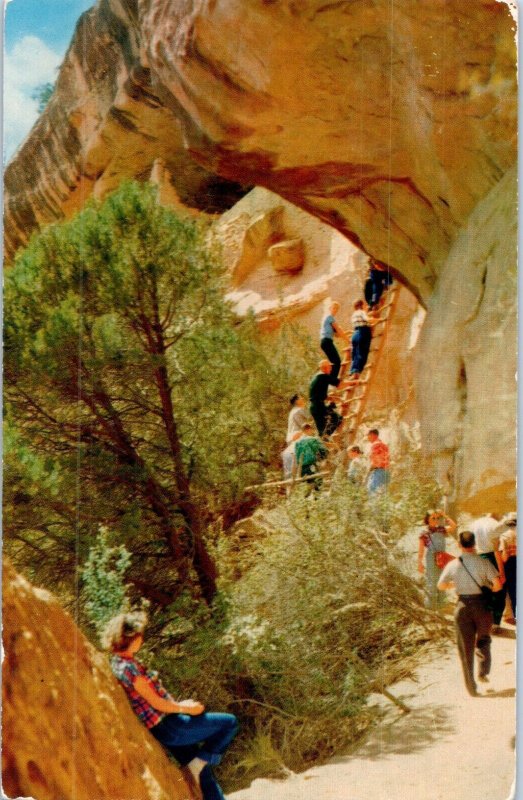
(68, 729)
(104, 122)
(389, 121)
(330, 268)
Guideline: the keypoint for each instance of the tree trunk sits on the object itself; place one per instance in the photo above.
(203, 563)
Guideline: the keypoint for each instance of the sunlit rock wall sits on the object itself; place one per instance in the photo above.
(389, 121)
(68, 730)
(332, 269)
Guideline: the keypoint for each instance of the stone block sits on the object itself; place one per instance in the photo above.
(288, 256)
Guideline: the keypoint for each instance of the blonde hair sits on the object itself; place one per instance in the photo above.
(121, 630)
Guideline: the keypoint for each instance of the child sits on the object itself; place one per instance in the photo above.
(329, 329)
(196, 738)
(357, 467)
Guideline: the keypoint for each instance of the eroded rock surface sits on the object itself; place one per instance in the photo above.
(104, 122)
(68, 729)
(467, 359)
(332, 269)
(389, 121)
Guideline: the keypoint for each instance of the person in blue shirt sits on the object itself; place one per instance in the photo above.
(329, 329)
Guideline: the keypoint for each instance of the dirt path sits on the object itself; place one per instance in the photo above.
(450, 745)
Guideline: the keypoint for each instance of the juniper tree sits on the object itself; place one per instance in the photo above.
(127, 373)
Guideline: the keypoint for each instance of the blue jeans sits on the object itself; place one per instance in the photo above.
(378, 479)
(206, 736)
(361, 339)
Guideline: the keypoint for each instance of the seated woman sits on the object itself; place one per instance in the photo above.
(197, 739)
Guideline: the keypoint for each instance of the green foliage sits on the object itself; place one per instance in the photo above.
(151, 404)
(137, 401)
(103, 576)
(320, 614)
(43, 94)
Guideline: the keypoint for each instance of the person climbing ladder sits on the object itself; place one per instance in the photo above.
(330, 328)
(361, 338)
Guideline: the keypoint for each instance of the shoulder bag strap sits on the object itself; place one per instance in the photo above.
(471, 575)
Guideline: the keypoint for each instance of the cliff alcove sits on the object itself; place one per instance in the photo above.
(395, 125)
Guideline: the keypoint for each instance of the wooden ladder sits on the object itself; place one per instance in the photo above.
(354, 398)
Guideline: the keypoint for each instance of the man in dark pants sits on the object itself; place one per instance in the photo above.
(330, 329)
(318, 390)
(467, 574)
(487, 530)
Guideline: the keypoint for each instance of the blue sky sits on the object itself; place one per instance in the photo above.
(37, 34)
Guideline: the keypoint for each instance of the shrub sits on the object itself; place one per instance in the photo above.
(321, 616)
(103, 575)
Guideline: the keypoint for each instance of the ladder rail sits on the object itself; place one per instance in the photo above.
(349, 397)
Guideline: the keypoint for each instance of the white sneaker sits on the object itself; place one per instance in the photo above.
(195, 767)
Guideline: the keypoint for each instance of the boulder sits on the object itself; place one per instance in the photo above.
(287, 256)
(68, 729)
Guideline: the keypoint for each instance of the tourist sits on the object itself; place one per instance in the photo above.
(288, 457)
(357, 466)
(197, 739)
(318, 391)
(308, 451)
(333, 420)
(361, 339)
(379, 475)
(431, 541)
(473, 621)
(508, 551)
(487, 530)
(378, 280)
(330, 328)
(297, 417)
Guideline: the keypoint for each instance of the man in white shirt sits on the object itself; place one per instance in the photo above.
(473, 621)
(487, 530)
(297, 417)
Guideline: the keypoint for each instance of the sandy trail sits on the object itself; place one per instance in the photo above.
(450, 746)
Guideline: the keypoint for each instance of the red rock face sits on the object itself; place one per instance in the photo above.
(388, 121)
(104, 123)
(68, 729)
(391, 122)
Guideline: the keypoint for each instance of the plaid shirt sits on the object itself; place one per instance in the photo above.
(127, 669)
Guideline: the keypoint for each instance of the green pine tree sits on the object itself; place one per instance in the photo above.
(146, 404)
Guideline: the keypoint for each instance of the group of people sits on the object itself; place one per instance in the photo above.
(482, 576)
(488, 560)
(305, 451)
(363, 320)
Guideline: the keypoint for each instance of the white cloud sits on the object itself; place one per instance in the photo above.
(28, 64)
